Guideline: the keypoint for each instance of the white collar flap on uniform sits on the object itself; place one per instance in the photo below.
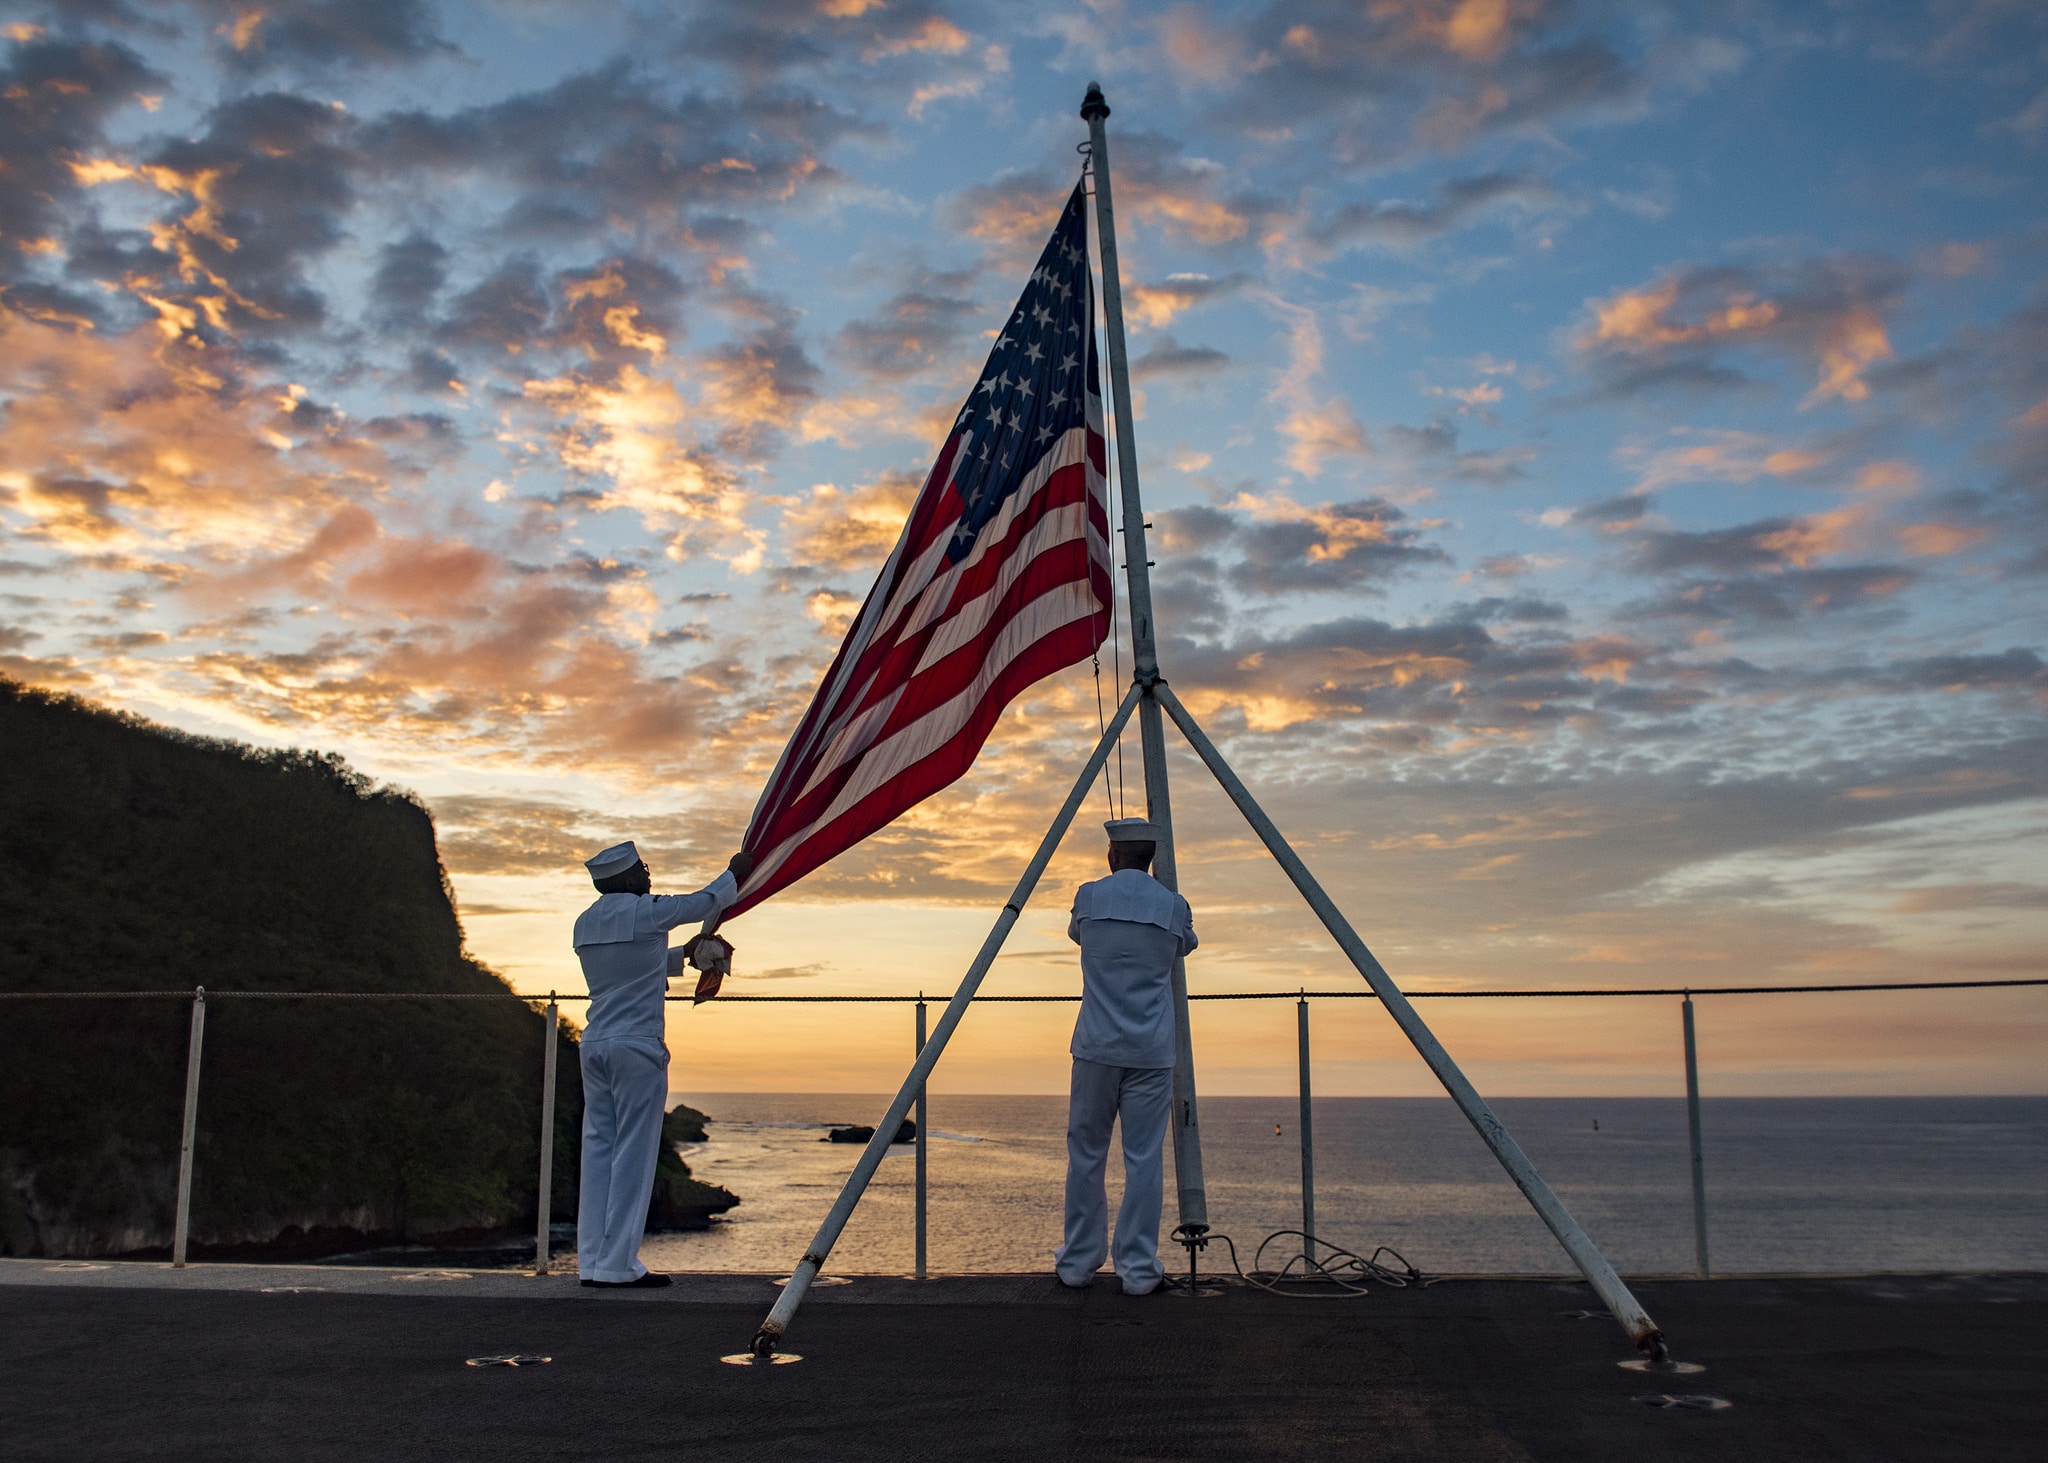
(1130, 894)
(613, 920)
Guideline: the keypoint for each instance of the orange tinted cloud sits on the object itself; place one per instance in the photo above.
(307, 567)
(1012, 217)
(851, 528)
(178, 238)
(1338, 534)
(634, 435)
(242, 32)
(1938, 540)
(1197, 49)
(1319, 431)
(1186, 211)
(995, 61)
(754, 389)
(1856, 342)
(1635, 319)
(1828, 312)
(1318, 428)
(1705, 455)
(619, 313)
(1891, 477)
(1809, 538)
(1286, 686)
(1477, 29)
(537, 679)
(934, 36)
(1158, 305)
(137, 444)
(427, 576)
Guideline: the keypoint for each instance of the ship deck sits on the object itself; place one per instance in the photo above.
(138, 1361)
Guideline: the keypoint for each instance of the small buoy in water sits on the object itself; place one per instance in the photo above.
(1596, 1125)
(1276, 1130)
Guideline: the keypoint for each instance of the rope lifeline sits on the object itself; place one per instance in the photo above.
(1118, 806)
(1101, 725)
(1482, 995)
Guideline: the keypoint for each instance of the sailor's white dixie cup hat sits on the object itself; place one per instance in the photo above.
(1131, 830)
(614, 860)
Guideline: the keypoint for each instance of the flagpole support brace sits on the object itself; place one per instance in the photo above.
(1612, 1290)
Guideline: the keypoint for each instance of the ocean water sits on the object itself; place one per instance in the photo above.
(1814, 1185)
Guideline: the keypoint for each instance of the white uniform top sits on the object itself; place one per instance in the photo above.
(1129, 927)
(622, 941)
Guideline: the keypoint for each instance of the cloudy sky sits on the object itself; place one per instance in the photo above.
(1597, 455)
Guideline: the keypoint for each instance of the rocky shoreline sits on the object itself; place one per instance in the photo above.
(681, 1203)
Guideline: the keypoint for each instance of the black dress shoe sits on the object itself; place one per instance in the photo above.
(652, 1280)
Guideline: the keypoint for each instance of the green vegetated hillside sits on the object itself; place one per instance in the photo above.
(136, 858)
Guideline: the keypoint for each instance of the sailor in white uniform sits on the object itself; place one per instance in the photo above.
(622, 941)
(1130, 928)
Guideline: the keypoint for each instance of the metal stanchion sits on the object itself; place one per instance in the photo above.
(1308, 1136)
(181, 1231)
(1699, 1170)
(923, 1124)
(541, 1235)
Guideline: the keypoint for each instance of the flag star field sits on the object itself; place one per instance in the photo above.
(1596, 459)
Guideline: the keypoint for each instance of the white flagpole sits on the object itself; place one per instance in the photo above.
(1187, 1127)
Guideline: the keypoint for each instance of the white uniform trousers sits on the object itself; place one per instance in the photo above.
(625, 1096)
(1143, 1098)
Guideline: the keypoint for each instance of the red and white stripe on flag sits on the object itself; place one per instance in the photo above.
(1001, 577)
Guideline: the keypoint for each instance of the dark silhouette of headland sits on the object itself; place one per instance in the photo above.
(134, 857)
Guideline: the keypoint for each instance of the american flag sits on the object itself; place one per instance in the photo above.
(1001, 577)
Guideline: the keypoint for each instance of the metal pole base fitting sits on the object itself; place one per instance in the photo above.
(1196, 1238)
(749, 1358)
(1665, 1367)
